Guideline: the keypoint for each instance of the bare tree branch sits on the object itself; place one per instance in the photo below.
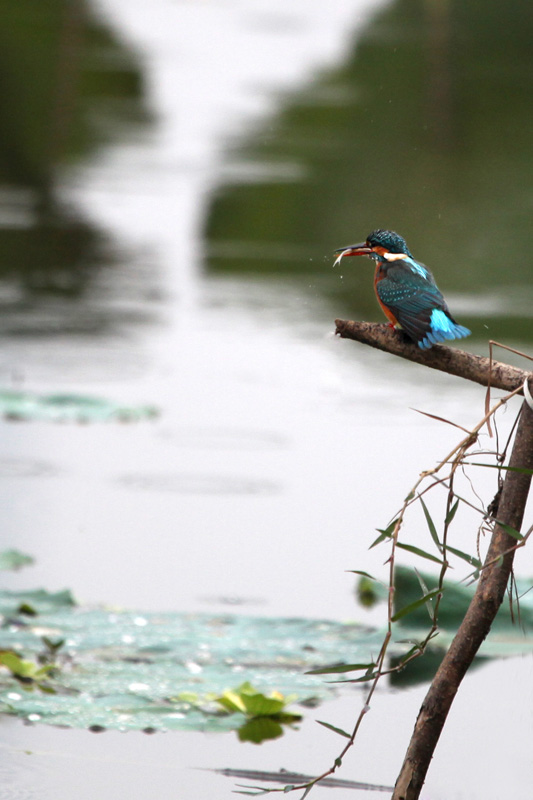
(447, 359)
(478, 619)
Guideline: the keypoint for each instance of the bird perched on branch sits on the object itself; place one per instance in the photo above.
(406, 290)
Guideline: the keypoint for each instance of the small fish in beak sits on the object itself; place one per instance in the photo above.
(361, 249)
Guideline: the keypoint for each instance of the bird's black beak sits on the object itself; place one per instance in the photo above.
(361, 249)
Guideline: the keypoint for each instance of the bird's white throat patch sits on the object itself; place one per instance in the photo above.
(394, 256)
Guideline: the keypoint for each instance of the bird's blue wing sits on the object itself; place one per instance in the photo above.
(413, 296)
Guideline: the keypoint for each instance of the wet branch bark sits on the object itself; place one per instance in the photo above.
(447, 359)
(499, 561)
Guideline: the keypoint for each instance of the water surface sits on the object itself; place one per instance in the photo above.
(179, 255)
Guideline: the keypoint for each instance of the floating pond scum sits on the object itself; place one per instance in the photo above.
(127, 670)
(97, 668)
(28, 406)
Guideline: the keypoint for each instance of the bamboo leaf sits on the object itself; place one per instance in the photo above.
(384, 533)
(361, 572)
(431, 524)
(440, 419)
(334, 668)
(510, 530)
(335, 729)
(523, 470)
(452, 512)
(362, 679)
(429, 605)
(412, 606)
(475, 562)
(418, 552)
(421, 581)
(414, 649)
(389, 529)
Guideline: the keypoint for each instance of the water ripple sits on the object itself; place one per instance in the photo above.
(26, 468)
(185, 483)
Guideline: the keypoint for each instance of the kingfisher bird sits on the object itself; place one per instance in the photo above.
(406, 290)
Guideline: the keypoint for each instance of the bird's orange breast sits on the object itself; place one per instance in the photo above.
(379, 274)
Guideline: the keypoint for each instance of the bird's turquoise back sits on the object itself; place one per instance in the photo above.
(408, 290)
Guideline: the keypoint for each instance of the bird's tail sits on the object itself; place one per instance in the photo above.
(442, 328)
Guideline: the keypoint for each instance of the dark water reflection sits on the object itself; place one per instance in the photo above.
(68, 85)
(427, 129)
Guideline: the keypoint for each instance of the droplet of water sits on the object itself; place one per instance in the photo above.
(138, 687)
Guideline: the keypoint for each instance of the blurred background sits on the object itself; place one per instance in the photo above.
(174, 178)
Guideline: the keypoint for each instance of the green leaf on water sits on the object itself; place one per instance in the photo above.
(14, 559)
(231, 701)
(257, 705)
(28, 406)
(139, 670)
(247, 700)
(52, 646)
(38, 600)
(260, 729)
(26, 609)
(21, 668)
(189, 697)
